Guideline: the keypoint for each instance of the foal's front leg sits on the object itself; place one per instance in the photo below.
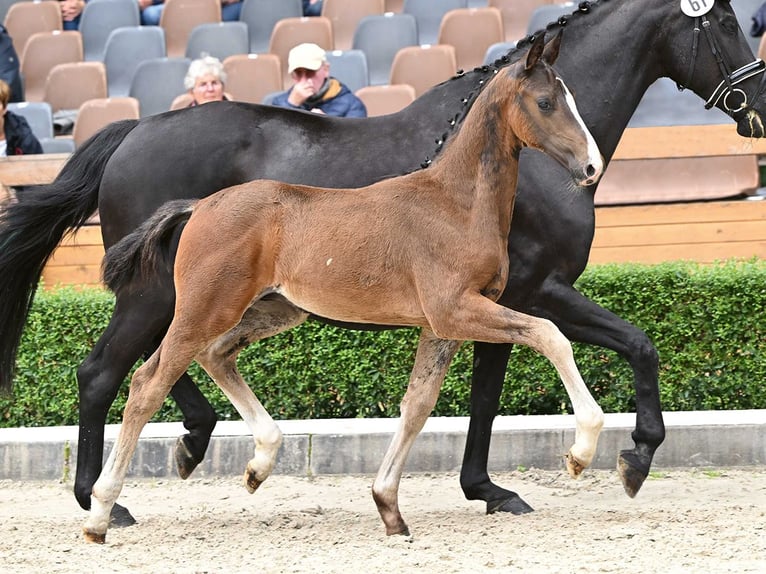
(432, 360)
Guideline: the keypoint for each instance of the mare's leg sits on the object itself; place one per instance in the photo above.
(582, 320)
(490, 361)
(474, 317)
(431, 363)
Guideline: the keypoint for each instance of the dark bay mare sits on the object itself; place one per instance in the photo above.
(611, 50)
(363, 255)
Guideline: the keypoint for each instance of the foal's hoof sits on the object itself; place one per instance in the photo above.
(120, 517)
(93, 537)
(186, 462)
(632, 472)
(513, 504)
(574, 466)
(252, 482)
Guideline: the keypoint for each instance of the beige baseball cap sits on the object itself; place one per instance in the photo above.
(308, 56)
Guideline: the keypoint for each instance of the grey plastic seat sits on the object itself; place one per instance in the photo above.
(39, 116)
(380, 37)
(57, 145)
(350, 67)
(99, 18)
(744, 10)
(497, 50)
(157, 82)
(125, 49)
(261, 16)
(218, 39)
(664, 105)
(428, 15)
(543, 15)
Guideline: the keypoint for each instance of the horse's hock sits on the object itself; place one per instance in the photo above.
(651, 232)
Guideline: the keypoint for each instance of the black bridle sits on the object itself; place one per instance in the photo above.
(726, 90)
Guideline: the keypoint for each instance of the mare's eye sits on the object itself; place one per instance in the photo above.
(544, 104)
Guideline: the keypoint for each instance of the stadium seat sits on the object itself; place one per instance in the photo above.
(43, 51)
(497, 50)
(386, 99)
(97, 113)
(350, 67)
(26, 18)
(125, 49)
(544, 15)
(428, 15)
(472, 31)
(219, 39)
(289, 32)
(251, 76)
(99, 18)
(261, 16)
(180, 17)
(424, 66)
(39, 116)
(394, 6)
(380, 37)
(157, 82)
(516, 15)
(345, 15)
(69, 85)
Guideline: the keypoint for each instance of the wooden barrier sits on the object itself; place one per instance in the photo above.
(702, 232)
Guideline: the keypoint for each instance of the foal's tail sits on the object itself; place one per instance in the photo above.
(149, 248)
(32, 227)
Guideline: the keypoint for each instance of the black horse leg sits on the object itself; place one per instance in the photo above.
(199, 420)
(489, 364)
(582, 320)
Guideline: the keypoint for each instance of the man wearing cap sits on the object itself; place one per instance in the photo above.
(314, 89)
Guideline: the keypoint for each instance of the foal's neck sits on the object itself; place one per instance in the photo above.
(479, 167)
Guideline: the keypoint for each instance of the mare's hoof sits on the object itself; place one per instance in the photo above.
(513, 504)
(574, 466)
(120, 517)
(399, 530)
(93, 537)
(185, 461)
(632, 472)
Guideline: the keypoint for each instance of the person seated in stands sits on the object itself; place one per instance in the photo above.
(205, 81)
(151, 11)
(312, 7)
(71, 10)
(314, 89)
(16, 137)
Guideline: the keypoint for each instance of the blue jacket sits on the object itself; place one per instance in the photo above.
(335, 99)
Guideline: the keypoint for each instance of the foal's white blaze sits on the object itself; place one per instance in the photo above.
(594, 154)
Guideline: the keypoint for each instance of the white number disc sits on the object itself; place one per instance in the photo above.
(696, 8)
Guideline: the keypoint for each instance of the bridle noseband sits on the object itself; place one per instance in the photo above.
(726, 90)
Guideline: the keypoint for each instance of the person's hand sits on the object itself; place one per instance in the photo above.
(301, 91)
(70, 9)
(144, 4)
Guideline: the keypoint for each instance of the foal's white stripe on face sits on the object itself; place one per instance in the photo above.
(594, 154)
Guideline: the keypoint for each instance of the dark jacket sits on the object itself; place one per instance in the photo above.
(19, 136)
(334, 99)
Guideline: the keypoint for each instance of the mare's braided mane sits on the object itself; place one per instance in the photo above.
(487, 71)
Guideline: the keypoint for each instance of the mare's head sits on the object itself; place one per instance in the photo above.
(716, 61)
(545, 114)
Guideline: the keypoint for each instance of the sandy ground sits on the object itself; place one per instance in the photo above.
(682, 521)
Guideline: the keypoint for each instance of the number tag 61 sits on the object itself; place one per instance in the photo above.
(696, 8)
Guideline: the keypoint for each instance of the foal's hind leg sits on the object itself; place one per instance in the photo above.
(264, 319)
(431, 363)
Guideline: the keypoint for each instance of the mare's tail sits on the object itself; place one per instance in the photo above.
(31, 228)
(149, 248)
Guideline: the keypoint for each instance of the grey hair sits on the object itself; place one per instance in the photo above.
(202, 67)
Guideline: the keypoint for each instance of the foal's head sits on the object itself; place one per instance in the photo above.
(546, 115)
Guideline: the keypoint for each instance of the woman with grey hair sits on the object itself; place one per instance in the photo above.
(205, 81)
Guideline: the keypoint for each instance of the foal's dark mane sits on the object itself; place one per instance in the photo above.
(486, 72)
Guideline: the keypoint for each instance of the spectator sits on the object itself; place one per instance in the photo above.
(205, 81)
(151, 11)
(16, 137)
(71, 10)
(312, 7)
(314, 89)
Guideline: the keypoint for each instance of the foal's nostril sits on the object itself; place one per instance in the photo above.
(590, 171)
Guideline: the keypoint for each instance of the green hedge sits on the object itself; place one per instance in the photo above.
(708, 323)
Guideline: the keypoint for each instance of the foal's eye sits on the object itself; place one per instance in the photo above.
(544, 104)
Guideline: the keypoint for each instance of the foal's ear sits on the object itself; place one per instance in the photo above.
(535, 51)
(551, 51)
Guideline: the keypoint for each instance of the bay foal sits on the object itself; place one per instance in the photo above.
(427, 249)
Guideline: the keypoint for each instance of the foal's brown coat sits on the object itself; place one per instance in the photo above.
(427, 249)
